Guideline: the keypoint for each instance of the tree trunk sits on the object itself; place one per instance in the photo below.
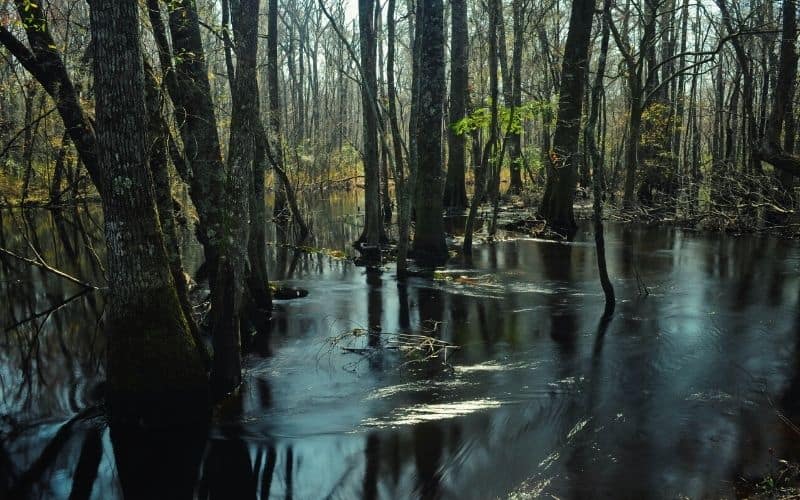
(280, 209)
(489, 152)
(369, 241)
(429, 244)
(515, 136)
(194, 114)
(632, 150)
(770, 149)
(455, 191)
(558, 211)
(158, 137)
(59, 170)
(28, 140)
(234, 263)
(403, 183)
(598, 169)
(153, 363)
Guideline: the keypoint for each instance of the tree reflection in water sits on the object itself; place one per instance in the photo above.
(677, 395)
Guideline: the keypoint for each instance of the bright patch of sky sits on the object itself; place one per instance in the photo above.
(351, 8)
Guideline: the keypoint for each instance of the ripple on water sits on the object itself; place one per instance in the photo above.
(419, 413)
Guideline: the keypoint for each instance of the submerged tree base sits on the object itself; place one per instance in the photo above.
(156, 372)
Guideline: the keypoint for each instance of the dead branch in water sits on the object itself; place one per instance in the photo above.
(40, 263)
(415, 348)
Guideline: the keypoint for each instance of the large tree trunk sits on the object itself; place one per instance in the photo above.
(455, 191)
(153, 363)
(429, 244)
(558, 209)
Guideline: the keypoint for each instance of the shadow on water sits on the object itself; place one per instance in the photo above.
(678, 395)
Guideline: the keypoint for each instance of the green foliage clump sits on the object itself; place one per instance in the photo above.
(511, 119)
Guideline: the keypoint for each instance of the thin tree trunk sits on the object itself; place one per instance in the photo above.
(194, 114)
(515, 137)
(275, 126)
(59, 171)
(403, 184)
(598, 169)
(455, 191)
(489, 152)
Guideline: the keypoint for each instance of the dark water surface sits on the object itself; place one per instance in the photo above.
(678, 397)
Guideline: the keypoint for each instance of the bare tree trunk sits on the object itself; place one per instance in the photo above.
(782, 113)
(558, 210)
(369, 241)
(59, 171)
(771, 150)
(514, 136)
(275, 126)
(489, 151)
(31, 130)
(403, 184)
(598, 169)
(455, 191)
(190, 91)
(429, 244)
(234, 263)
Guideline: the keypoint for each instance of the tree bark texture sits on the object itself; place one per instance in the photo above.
(429, 244)
(152, 358)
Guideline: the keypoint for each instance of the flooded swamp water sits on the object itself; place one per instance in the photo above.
(680, 396)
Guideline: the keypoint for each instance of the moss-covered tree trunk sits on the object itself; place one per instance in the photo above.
(258, 278)
(429, 244)
(158, 154)
(153, 363)
(227, 297)
(194, 114)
